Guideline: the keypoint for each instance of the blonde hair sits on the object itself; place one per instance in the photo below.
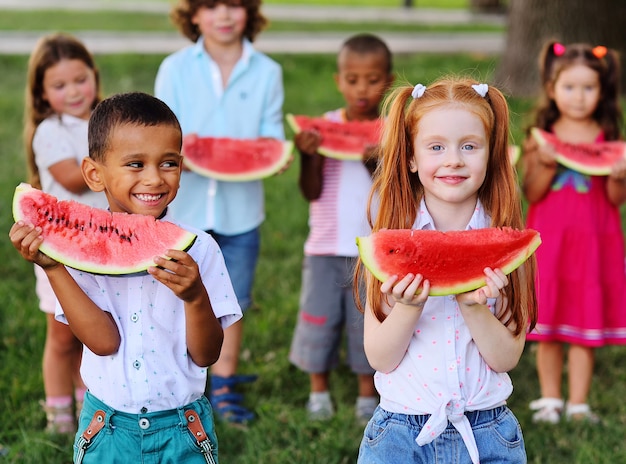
(398, 191)
(48, 51)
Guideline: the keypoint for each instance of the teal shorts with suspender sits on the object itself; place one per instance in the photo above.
(182, 435)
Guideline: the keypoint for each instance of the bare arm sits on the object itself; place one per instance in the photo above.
(616, 183)
(204, 331)
(386, 342)
(69, 174)
(311, 164)
(91, 325)
(539, 168)
(497, 344)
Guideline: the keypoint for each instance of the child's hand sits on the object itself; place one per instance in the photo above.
(496, 281)
(308, 141)
(546, 154)
(405, 290)
(618, 170)
(370, 157)
(27, 239)
(180, 274)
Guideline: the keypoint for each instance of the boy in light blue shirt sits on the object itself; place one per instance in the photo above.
(220, 86)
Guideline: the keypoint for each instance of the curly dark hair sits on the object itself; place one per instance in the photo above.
(182, 13)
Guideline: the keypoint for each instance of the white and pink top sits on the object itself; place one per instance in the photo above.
(442, 372)
(338, 216)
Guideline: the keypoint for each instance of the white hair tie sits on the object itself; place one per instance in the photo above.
(418, 91)
(481, 89)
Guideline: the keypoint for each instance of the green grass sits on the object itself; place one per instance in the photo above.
(281, 434)
(47, 20)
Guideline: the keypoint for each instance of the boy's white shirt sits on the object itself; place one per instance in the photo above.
(152, 368)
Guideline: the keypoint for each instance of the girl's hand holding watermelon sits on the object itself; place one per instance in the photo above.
(407, 290)
(618, 171)
(496, 281)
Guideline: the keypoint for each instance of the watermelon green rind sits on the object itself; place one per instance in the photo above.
(514, 152)
(81, 251)
(270, 170)
(324, 150)
(543, 138)
(515, 253)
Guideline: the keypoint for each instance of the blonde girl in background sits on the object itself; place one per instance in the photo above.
(62, 89)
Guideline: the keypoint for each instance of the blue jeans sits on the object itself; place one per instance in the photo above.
(241, 253)
(390, 438)
(153, 438)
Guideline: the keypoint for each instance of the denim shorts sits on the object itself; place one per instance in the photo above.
(153, 438)
(390, 438)
(327, 308)
(241, 253)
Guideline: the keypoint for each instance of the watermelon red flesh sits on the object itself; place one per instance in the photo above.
(235, 160)
(453, 262)
(340, 140)
(95, 240)
(594, 159)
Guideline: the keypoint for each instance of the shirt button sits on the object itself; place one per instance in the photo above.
(134, 317)
(144, 423)
(144, 410)
(136, 364)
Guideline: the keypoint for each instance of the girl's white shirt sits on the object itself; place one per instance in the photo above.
(442, 372)
(57, 138)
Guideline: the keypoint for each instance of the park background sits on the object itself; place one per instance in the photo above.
(281, 434)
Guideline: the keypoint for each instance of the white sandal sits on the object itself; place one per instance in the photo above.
(581, 412)
(547, 410)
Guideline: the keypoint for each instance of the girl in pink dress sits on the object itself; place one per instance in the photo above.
(581, 282)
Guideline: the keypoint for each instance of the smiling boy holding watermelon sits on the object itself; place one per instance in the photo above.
(148, 338)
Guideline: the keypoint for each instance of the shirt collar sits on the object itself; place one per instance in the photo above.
(248, 50)
(69, 120)
(424, 221)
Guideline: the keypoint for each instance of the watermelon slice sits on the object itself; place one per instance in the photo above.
(593, 159)
(453, 262)
(514, 152)
(340, 140)
(235, 160)
(95, 240)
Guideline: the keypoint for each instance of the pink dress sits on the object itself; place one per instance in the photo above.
(581, 283)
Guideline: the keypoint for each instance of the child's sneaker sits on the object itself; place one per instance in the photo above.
(581, 412)
(319, 406)
(364, 408)
(60, 419)
(547, 410)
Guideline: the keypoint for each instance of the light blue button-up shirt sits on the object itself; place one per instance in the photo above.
(248, 106)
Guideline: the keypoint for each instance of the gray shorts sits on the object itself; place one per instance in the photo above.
(327, 307)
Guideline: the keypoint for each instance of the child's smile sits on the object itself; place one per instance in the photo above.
(141, 170)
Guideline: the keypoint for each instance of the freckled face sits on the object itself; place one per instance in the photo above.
(451, 151)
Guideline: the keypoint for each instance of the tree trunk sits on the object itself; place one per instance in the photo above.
(532, 22)
(486, 6)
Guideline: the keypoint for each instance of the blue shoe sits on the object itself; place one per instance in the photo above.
(227, 405)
